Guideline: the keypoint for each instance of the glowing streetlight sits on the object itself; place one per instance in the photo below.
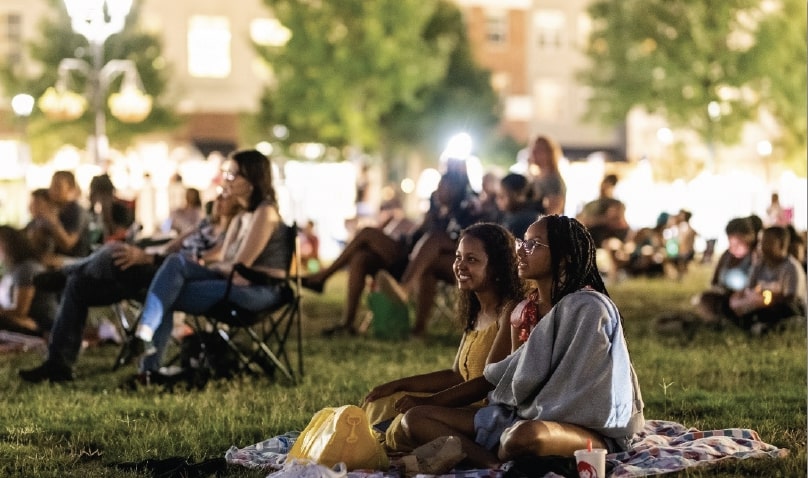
(97, 20)
(23, 105)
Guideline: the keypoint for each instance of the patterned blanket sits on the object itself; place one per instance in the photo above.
(664, 447)
(661, 447)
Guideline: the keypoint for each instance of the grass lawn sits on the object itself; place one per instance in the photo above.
(709, 380)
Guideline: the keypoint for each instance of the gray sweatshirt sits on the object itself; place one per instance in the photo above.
(574, 368)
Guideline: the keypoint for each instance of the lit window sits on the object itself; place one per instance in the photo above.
(549, 29)
(209, 47)
(11, 38)
(518, 108)
(548, 100)
(496, 26)
(584, 30)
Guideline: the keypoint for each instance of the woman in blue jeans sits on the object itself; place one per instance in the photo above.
(257, 238)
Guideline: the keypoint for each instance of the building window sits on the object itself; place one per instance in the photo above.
(496, 27)
(209, 47)
(550, 29)
(549, 100)
(518, 108)
(584, 30)
(11, 39)
(14, 25)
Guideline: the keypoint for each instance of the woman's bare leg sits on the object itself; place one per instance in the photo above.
(424, 256)
(543, 438)
(367, 239)
(425, 423)
(363, 264)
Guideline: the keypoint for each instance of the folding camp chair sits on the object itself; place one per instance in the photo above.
(445, 301)
(127, 315)
(259, 338)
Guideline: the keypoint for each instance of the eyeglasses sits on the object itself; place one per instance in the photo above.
(530, 245)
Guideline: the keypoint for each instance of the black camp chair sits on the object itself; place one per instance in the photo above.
(259, 339)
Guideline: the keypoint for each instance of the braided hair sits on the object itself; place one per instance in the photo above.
(501, 271)
(572, 257)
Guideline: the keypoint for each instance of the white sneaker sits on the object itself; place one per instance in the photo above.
(309, 469)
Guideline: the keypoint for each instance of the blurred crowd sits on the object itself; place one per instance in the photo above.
(407, 258)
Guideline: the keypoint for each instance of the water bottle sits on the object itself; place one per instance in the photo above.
(279, 444)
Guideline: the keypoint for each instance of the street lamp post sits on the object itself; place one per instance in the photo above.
(97, 20)
(23, 106)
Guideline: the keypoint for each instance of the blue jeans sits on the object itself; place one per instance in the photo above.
(96, 283)
(181, 284)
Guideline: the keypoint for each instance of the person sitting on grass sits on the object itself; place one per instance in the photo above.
(731, 272)
(571, 383)
(23, 308)
(488, 289)
(776, 289)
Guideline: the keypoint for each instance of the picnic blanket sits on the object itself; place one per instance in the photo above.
(665, 447)
(660, 447)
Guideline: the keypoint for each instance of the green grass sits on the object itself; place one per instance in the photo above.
(710, 380)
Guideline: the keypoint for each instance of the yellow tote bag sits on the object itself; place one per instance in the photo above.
(340, 434)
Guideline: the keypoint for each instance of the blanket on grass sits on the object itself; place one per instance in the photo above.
(661, 447)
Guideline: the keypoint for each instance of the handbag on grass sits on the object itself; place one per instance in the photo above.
(340, 434)
(391, 319)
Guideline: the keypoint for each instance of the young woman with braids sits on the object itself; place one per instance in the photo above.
(571, 381)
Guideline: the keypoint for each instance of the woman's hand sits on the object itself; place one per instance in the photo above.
(239, 280)
(380, 391)
(408, 401)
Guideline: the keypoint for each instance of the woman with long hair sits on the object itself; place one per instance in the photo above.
(488, 288)
(256, 238)
(548, 191)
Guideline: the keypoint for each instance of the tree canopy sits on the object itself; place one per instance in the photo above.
(346, 64)
(374, 74)
(463, 100)
(674, 58)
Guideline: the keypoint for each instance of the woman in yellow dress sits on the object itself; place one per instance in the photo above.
(488, 289)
